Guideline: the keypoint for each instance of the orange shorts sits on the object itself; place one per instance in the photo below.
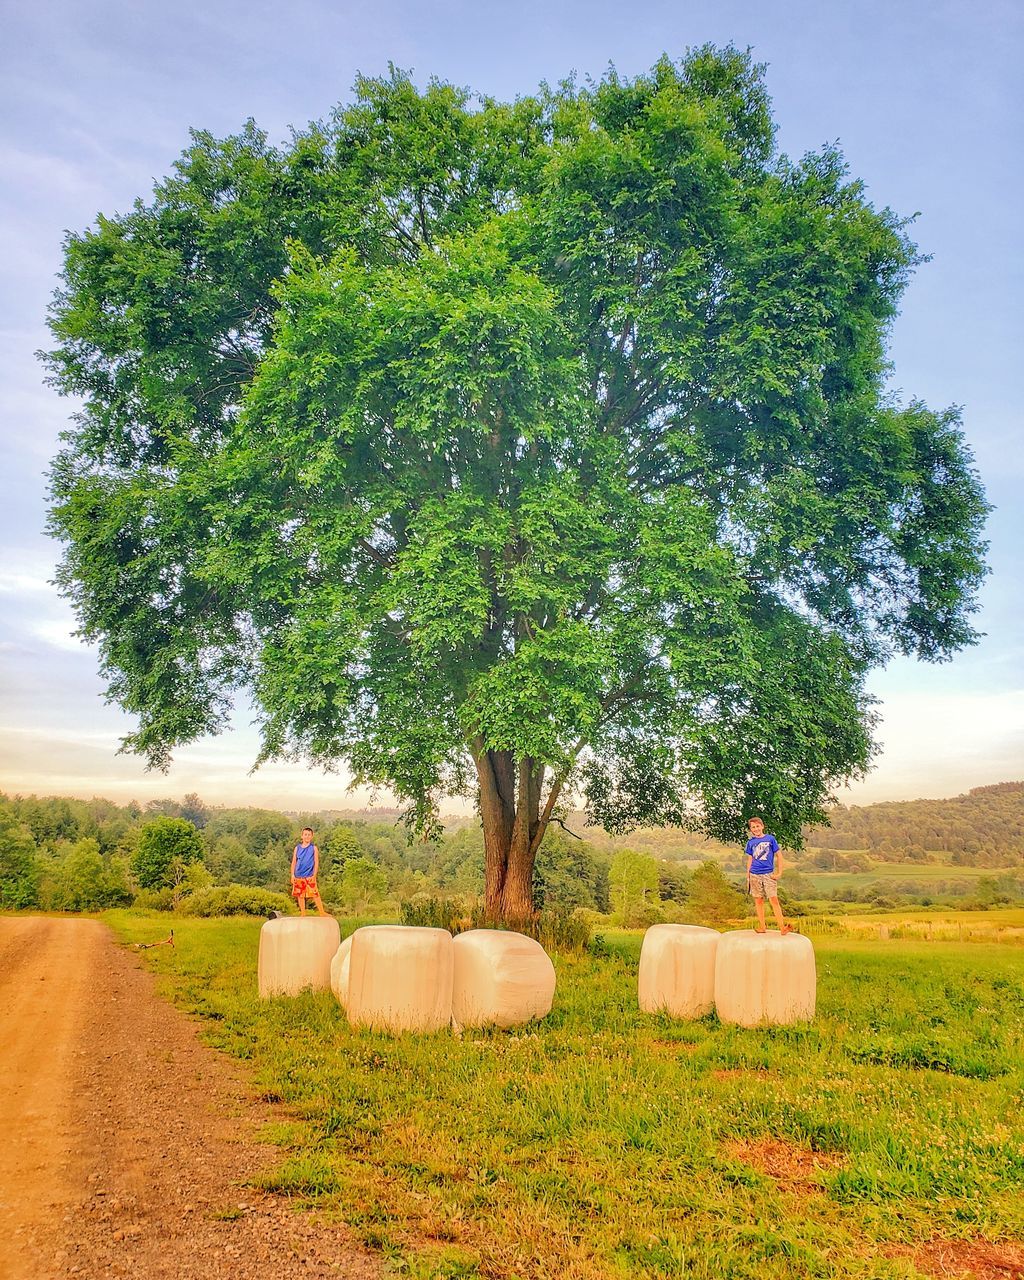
(302, 885)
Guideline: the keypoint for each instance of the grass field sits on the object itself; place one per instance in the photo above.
(607, 1143)
(1002, 925)
(893, 874)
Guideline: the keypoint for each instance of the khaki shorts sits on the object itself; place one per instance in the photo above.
(766, 886)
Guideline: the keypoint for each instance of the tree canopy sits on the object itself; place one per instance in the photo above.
(513, 448)
(165, 845)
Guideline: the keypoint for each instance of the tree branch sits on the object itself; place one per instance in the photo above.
(374, 554)
(553, 794)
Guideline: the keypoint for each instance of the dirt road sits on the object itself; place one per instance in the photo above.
(125, 1143)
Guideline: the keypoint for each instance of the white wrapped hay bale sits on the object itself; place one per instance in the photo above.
(501, 979)
(296, 953)
(765, 978)
(677, 970)
(400, 978)
(340, 967)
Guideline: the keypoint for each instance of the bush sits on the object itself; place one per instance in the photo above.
(555, 928)
(423, 912)
(154, 900)
(560, 929)
(234, 900)
(641, 916)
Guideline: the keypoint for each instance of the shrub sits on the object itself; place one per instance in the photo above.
(234, 900)
(561, 929)
(425, 912)
(555, 928)
(154, 900)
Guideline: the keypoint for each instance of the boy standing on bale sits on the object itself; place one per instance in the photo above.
(764, 866)
(305, 865)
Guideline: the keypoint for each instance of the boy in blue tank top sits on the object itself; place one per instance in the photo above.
(764, 866)
(305, 865)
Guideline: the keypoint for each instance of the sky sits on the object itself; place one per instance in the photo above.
(924, 98)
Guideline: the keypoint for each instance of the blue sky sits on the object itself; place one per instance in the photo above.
(925, 100)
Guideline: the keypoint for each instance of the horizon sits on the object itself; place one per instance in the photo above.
(389, 810)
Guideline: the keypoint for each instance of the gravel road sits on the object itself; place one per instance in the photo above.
(125, 1143)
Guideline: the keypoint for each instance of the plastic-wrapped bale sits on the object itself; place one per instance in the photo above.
(501, 979)
(340, 968)
(296, 953)
(677, 970)
(400, 978)
(764, 978)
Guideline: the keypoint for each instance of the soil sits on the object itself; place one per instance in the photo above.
(128, 1144)
(794, 1168)
(966, 1259)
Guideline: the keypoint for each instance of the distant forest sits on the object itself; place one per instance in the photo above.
(66, 854)
(984, 828)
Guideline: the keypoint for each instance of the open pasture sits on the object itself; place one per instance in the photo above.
(895, 874)
(607, 1143)
(1005, 926)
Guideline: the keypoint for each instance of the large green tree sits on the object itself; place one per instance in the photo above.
(19, 863)
(514, 449)
(165, 846)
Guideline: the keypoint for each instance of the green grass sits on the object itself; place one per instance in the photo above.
(607, 1143)
(896, 873)
(1004, 925)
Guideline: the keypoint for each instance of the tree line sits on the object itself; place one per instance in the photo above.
(58, 853)
(65, 854)
(983, 828)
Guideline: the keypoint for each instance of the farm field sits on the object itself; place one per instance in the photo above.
(1001, 925)
(607, 1143)
(919, 872)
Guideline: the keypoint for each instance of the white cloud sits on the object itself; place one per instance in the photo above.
(20, 584)
(58, 634)
(63, 737)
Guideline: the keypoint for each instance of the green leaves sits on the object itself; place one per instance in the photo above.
(162, 843)
(554, 432)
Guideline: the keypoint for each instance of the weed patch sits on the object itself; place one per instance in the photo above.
(917, 1054)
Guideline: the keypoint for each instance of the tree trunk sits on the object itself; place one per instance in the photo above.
(513, 827)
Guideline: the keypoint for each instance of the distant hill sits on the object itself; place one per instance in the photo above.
(984, 828)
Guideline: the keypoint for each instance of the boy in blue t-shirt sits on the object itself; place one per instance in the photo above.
(764, 866)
